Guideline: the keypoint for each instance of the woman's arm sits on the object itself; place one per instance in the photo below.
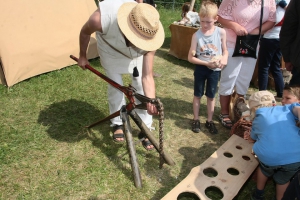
(238, 29)
(264, 28)
(224, 58)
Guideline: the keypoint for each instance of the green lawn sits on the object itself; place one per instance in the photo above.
(47, 153)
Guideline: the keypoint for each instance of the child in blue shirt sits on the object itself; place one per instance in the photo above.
(276, 132)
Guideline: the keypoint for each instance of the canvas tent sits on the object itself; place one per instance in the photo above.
(38, 36)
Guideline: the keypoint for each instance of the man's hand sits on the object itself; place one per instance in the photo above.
(152, 110)
(82, 62)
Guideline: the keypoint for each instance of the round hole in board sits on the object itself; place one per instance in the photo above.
(227, 154)
(213, 192)
(210, 172)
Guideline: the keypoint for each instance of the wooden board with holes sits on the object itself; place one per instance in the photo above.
(231, 165)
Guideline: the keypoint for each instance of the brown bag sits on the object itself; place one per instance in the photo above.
(237, 106)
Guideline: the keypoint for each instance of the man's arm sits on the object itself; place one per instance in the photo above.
(148, 80)
(93, 24)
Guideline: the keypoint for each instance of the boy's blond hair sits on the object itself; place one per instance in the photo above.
(208, 9)
(294, 90)
(260, 99)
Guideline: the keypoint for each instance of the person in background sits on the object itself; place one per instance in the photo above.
(151, 2)
(290, 40)
(292, 192)
(208, 52)
(184, 10)
(275, 130)
(291, 94)
(240, 18)
(128, 34)
(269, 56)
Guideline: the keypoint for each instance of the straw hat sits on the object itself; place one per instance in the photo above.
(139, 22)
(261, 99)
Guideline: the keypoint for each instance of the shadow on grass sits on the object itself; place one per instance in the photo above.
(163, 53)
(67, 121)
(178, 110)
(186, 82)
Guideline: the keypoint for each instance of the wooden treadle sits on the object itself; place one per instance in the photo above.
(233, 163)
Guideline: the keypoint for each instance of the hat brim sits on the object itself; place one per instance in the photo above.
(144, 43)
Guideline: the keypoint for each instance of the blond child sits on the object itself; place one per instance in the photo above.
(291, 94)
(276, 132)
(209, 53)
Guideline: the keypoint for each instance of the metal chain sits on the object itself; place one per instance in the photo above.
(160, 108)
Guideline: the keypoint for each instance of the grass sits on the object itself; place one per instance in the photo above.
(46, 153)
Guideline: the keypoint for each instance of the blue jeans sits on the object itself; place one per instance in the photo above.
(203, 74)
(269, 59)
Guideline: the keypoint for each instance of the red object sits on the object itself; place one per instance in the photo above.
(280, 23)
(128, 91)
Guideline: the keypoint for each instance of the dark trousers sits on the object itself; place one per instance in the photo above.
(270, 59)
(296, 77)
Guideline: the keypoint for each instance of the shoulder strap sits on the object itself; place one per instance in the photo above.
(114, 47)
(261, 15)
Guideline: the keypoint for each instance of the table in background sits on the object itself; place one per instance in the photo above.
(181, 37)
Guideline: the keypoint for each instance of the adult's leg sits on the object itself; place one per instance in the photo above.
(137, 84)
(143, 114)
(245, 75)
(115, 97)
(229, 75)
(275, 68)
(265, 56)
(224, 102)
(115, 101)
(228, 79)
(295, 80)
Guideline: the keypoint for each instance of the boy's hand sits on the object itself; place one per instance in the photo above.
(213, 64)
(223, 62)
